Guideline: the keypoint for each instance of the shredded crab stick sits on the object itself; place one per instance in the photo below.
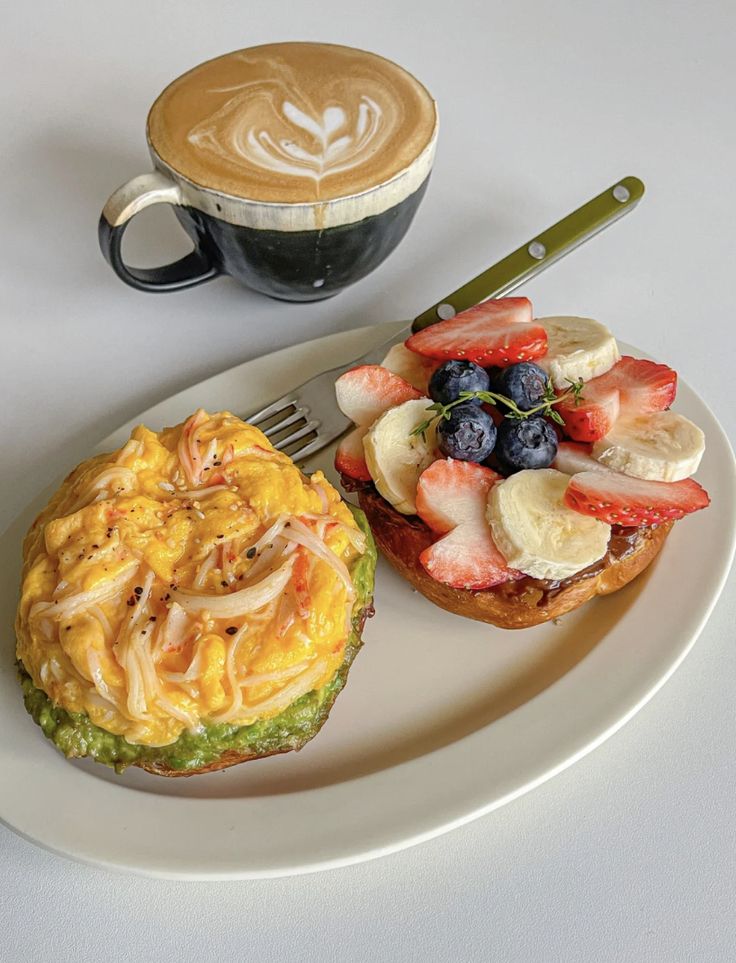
(239, 603)
(156, 613)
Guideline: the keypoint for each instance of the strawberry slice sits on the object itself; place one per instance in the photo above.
(364, 393)
(571, 459)
(619, 499)
(492, 333)
(594, 416)
(350, 458)
(451, 500)
(633, 386)
(644, 385)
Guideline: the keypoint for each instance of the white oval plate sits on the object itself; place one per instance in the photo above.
(443, 719)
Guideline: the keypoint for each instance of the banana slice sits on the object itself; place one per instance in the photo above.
(395, 457)
(659, 446)
(577, 348)
(536, 532)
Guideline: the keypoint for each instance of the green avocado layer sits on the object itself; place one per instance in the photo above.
(76, 735)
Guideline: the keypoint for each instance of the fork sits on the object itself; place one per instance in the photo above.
(307, 419)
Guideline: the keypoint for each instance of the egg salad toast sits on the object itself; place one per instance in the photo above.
(191, 601)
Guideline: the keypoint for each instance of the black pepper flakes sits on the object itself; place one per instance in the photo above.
(132, 600)
(251, 553)
(95, 546)
(138, 590)
(223, 583)
(217, 463)
(220, 536)
(152, 619)
(231, 629)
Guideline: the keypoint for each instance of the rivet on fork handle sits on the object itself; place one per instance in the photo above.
(532, 258)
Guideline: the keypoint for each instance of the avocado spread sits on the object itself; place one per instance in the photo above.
(75, 735)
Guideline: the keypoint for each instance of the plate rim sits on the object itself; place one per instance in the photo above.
(428, 827)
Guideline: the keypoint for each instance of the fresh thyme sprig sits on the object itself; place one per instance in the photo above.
(545, 408)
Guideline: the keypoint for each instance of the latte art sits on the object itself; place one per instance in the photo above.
(304, 144)
(293, 122)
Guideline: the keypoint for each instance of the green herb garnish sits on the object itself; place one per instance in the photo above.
(545, 408)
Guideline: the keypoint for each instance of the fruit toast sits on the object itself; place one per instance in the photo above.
(512, 467)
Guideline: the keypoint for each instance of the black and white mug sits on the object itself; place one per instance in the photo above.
(295, 168)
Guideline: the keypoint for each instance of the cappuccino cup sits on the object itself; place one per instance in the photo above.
(295, 168)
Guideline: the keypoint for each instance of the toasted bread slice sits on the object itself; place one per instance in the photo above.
(516, 604)
(218, 746)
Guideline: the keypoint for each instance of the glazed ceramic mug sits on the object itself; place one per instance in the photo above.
(296, 168)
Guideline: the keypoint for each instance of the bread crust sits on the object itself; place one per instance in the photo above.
(514, 605)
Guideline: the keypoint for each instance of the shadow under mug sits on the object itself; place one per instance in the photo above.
(291, 251)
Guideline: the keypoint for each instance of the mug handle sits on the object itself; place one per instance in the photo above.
(121, 208)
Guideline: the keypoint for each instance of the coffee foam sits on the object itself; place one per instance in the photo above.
(293, 123)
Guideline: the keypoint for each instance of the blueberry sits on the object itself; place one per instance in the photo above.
(468, 434)
(525, 443)
(452, 377)
(524, 383)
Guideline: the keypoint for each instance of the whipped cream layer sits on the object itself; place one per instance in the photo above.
(293, 122)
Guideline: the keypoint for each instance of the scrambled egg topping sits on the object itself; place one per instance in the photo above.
(194, 576)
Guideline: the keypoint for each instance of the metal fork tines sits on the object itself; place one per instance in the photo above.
(307, 419)
(287, 425)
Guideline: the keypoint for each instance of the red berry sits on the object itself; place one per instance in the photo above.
(498, 333)
(364, 393)
(571, 459)
(644, 386)
(349, 457)
(619, 499)
(595, 414)
(633, 386)
(451, 500)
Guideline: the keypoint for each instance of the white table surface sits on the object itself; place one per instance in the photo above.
(628, 855)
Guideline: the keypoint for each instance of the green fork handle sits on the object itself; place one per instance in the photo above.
(533, 257)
